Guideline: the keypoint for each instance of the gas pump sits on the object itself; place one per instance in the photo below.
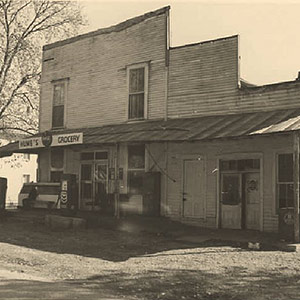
(68, 192)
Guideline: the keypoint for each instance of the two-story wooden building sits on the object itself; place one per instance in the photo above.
(172, 131)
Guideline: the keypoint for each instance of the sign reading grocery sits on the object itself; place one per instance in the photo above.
(55, 140)
(67, 139)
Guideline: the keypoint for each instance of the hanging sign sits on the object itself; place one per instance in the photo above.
(30, 143)
(67, 139)
(52, 140)
(47, 139)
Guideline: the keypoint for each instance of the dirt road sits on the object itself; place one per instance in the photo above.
(36, 263)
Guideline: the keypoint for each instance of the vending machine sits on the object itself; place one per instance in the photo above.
(68, 192)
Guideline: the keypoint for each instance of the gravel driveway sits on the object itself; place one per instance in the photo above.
(98, 263)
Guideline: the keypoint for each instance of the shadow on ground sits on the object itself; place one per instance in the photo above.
(116, 240)
(163, 284)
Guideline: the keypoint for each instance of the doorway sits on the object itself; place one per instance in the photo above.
(240, 205)
(193, 188)
(93, 185)
(231, 204)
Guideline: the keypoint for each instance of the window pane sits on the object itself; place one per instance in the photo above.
(230, 190)
(224, 165)
(58, 94)
(233, 165)
(87, 156)
(102, 155)
(55, 176)
(57, 158)
(58, 116)
(26, 178)
(86, 172)
(26, 156)
(136, 80)
(135, 182)
(240, 165)
(136, 106)
(86, 190)
(285, 168)
(101, 173)
(136, 157)
(256, 164)
(286, 195)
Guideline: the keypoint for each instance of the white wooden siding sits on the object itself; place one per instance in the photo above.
(203, 78)
(214, 150)
(96, 67)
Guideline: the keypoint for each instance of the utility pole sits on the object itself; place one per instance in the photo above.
(296, 186)
(117, 191)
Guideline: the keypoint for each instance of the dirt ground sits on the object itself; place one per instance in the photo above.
(98, 263)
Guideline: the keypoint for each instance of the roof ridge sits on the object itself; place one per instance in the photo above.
(114, 28)
(205, 42)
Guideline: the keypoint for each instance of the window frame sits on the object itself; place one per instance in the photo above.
(26, 156)
(146, 86)
(60, 82)
(140, 171)
(55, 169)
(26, 178)
(277, 207)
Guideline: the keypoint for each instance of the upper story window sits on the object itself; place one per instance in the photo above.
(58, 107)
(138, 91)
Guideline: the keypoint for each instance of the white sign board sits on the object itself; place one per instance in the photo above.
(57, 140)
(67, 139)
(30, 143)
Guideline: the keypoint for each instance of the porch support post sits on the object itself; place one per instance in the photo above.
(117, 191)
(296, 186)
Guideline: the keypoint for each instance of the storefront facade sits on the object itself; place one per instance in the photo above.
(149, 129)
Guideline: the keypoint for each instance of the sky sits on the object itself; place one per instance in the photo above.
(269, 30)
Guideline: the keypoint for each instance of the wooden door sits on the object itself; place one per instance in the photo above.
(193, 189)
(252, 200)
(231, 206)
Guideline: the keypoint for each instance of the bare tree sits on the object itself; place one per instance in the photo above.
(25, 25)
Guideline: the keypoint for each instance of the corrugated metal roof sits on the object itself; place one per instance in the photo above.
(194, 129)
(188, 129)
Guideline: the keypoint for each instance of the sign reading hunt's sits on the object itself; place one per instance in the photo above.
(30, 143)
(53, 141)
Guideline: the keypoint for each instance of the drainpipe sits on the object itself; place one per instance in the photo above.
(167, 59)
(117, 187)
(296, 186)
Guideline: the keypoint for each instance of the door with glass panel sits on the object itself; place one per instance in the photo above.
(252, 200)
(231, 205)
(100, 186)
(93, 186)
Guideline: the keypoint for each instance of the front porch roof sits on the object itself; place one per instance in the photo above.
(183, 129)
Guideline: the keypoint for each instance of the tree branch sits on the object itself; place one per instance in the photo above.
(21, 83)
(18, 129)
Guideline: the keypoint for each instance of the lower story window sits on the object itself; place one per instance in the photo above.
(55, 176)
(135, 182)
(136, 168)
(26, 178)
(57, 164)
(285, 183)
